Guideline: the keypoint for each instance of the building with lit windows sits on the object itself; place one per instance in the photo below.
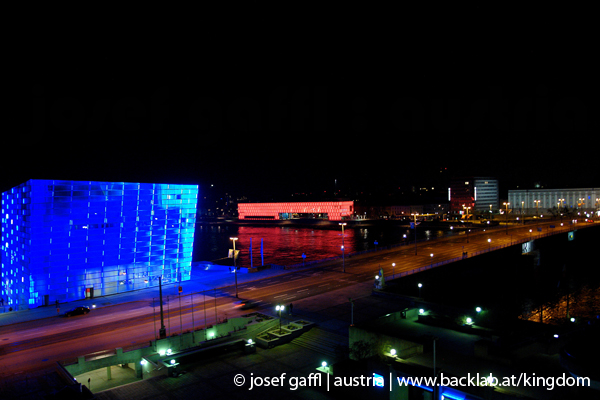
(67, 240)
(534, 201)
(332, 210)
(479, 194)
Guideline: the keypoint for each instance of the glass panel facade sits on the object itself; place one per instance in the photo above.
(65, 240)
(335, 210)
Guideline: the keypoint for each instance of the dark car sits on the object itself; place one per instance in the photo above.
(77, 311)
(245, 304)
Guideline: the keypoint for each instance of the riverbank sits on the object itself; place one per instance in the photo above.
(351, 223)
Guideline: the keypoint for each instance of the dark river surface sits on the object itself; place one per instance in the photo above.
(284, 245)
(560, 272)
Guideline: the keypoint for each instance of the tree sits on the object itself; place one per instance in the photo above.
(360, 350)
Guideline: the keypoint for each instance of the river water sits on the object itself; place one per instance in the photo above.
(284, 245)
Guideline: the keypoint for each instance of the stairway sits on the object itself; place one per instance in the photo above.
(321, 341)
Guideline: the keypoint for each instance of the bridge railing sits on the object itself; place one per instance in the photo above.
(534, 235)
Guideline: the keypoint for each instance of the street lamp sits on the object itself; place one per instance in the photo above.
(393, 270)
(523, 218)
(420, 285)
(467, 208)
(343, 251)
(489, 244)
(234, 265)
(506, 204)
(561, 206)
(537, 215)
(279, 308)
(415, 228)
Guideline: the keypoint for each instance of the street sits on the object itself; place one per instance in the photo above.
(29, 346)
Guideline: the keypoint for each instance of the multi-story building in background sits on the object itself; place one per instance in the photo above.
(331, 210)
(65, 240)
(533, 201)
(479, 194)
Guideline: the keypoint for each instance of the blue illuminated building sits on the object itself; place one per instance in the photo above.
(67, 240)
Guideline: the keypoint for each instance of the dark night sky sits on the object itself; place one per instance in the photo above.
(369, 106)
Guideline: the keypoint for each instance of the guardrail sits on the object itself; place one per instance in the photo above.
(534, 235)
(378, 248)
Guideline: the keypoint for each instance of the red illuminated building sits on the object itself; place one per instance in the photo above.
(332, 210)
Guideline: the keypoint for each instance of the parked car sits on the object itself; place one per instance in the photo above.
(81, 310)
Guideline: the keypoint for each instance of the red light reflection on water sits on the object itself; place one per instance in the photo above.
(285, 245)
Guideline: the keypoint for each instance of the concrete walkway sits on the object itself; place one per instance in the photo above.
(201, 280)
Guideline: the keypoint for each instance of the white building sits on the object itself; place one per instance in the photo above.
(587, 199)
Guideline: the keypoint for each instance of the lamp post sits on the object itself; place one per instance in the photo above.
(234, 265)
(415, 229)
(522, 218)
(420, 285)
(393, 270)
(279, 308)
(489, 245)
(559, 210)
(506, 204)
(467, 208)
(343, 250)
(162, 331)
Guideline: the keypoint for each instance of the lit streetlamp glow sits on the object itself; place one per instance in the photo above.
(234, 265)
(343, 224)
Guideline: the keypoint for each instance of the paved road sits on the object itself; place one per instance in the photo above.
(29, 346)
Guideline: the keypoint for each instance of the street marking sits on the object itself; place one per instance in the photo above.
(280, 296)
(298, 291)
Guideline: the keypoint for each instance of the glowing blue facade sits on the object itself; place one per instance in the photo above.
(66, 240)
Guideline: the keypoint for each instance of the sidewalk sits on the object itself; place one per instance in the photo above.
(201, 280)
